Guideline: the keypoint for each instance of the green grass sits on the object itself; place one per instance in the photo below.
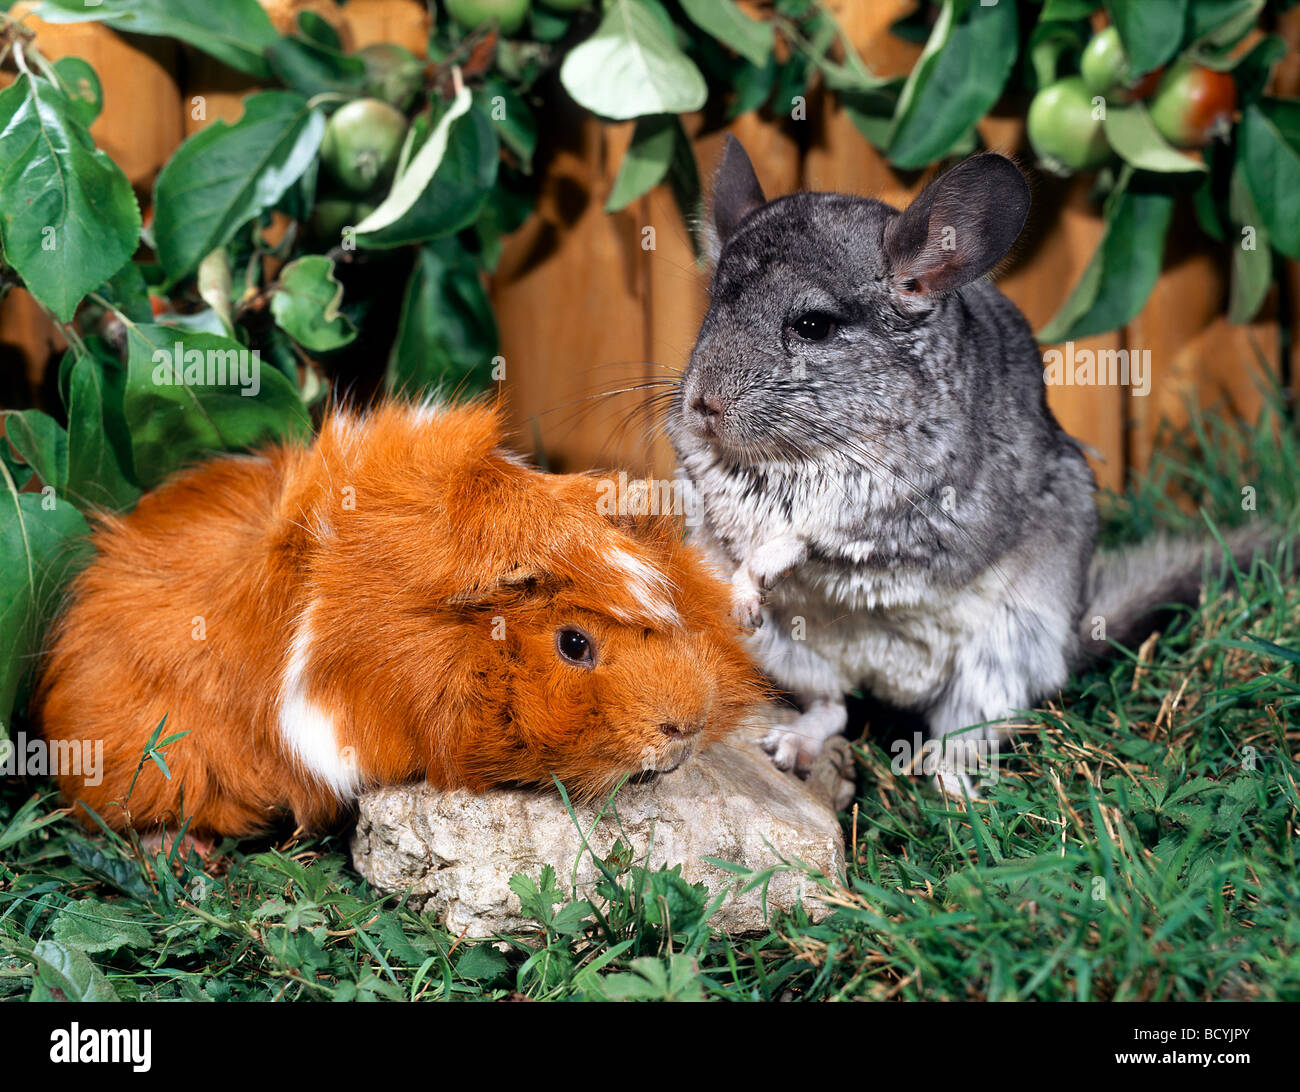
(1140, 844)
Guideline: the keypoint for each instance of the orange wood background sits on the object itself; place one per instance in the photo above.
(585, 309)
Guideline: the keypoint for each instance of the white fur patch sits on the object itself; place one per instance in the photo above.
(345, 433)
(428, 410)
(307, 731)
(514, 459)
(649, 586)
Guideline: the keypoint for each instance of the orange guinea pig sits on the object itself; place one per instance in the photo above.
(403, 599)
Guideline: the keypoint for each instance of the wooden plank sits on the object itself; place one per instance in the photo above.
(28, 332)
(678, 284)
(139, 127)
(1200, 357)
(1197, 356)
(140, 124)
(214, 91)
(1058, 240)
(284, 13)
(405, 22)
(839, 157)
(570, 303)
(675, 301)
(1286, 81)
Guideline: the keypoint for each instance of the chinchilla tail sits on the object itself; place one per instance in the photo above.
(1133, 591)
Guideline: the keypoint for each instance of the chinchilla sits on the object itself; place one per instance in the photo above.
(863, 430)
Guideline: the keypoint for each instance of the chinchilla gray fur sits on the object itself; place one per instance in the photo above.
(863, 430)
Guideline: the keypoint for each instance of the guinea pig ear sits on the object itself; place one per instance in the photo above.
(521, 576)
(736, 193)
(517, 580)
(659, 533)
(960, 227)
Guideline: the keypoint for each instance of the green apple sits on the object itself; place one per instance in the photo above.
(509, 14)
(1063, 128)
(362, 142)
(1193, 104)
(393, 74)
(332, 215)
(1104, 64)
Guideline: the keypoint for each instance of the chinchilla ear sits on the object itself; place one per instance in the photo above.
(736, 193)
(959, 228)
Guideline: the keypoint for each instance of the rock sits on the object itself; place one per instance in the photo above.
(456, 851)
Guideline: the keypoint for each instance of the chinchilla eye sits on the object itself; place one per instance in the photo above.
(576, 647)
(814, 326)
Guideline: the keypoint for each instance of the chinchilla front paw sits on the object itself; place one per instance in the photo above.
(796, 745)
(769, 564)
(746, 601)
(786, 747)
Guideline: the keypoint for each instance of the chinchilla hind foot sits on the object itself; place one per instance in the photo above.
(833, 771)
(968, 765)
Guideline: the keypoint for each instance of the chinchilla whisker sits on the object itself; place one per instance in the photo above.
(638, 364)
(657, 406)
(587, 403)
(621, 428)
(629, 369)
(665, 388)
(649, 415)
(649, 384)
(687, 274)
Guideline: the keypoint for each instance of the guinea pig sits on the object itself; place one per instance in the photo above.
(403, 599)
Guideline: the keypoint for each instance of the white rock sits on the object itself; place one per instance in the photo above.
(455, 852)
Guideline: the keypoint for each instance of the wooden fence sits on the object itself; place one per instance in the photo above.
(584, 308)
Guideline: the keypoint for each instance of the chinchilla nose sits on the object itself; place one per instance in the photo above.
(707, 405)
(708, 409)
(679, 729)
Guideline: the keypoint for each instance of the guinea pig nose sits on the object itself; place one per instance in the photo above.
(679, 729)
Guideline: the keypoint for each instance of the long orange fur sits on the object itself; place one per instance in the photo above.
(432, 570)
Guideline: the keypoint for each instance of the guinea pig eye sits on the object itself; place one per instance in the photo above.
(814, 326)
(576, 647)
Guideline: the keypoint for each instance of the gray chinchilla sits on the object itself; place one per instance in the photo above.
(864, 430)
